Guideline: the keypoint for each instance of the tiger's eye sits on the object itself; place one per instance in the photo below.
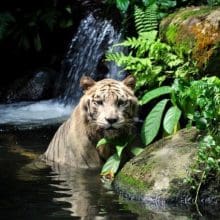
(121, 102)
(98, 102)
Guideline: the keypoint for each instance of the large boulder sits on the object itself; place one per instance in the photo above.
(195, 31)
(158, 173)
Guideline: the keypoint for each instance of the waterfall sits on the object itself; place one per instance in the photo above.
(85, 56)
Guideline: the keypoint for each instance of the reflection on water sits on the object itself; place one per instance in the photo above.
(61, 192)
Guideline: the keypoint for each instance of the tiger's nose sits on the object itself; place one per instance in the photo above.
(112, 120)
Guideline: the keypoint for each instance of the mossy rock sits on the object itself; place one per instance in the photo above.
(195, 31)
(158, 173)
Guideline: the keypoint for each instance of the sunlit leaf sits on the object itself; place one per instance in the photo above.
(101, 142)
(119, 150)
(136, 150)
(154, 94)
(122, 5)
(171, 119)
(111, 165)
(152, 122)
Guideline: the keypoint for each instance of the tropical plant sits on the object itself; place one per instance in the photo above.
(200, 101)
(159, 115)
(146, 19)
(207, 165)
(154, 64)
(123, 5)
(113, 163)
(150, 60)
(213, 2)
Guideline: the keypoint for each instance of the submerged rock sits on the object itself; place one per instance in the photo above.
(157, 174)
(195, 31)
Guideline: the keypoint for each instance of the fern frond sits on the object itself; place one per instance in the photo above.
(146, 20)
(152, 18)
(118, 57)
(129, 62)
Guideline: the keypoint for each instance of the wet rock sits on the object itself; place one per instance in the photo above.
(157, 174)
(195, 31)
(33, 87)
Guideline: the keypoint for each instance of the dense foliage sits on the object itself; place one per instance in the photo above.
(164, 5)
(170, 85)
(29, 27)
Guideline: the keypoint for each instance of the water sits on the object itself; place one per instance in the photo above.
(86, 55)
(34, 191)
(94, 37)
(27, 115)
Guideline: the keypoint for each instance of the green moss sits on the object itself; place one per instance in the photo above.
(171, 33)
(132, 183)
(182, 44)
(138, 169)
(195, 13)
(148, 167)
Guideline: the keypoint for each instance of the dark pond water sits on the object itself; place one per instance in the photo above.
(31, 191)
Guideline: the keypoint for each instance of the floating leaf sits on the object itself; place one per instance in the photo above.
(171, 119)
(152, 122)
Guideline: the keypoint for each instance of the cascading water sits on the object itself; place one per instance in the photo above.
(84, 57)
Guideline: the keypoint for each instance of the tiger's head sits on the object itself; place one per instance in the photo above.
(109, 106)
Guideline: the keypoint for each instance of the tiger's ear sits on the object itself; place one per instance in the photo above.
(86, 82)
(129, 81)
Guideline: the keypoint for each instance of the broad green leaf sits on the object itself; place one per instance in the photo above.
(119, 149)
(136, 150)
(152, 123)
(121, 144)
(122, 4)
(111, 165)
(167, 4)
(171, 119)
(102, 142)
(154, 94)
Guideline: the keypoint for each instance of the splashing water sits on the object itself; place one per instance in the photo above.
(86, 55)
(44, 112)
